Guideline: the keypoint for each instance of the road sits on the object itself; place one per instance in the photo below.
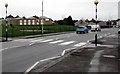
(19, 55)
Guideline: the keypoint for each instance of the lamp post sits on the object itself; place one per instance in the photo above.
(42, 22)
(96, 3)
(6, 5)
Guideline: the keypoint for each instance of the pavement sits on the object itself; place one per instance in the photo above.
(103, 58)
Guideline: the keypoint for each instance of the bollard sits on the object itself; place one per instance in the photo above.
(95, 39)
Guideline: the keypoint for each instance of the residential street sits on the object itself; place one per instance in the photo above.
(20, 54)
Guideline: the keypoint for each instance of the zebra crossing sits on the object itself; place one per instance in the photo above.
(53, 41)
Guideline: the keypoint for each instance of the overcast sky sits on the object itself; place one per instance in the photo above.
(59, 9)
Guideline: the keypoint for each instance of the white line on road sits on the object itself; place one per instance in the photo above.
(67, 43)
(56, 41)
(47, 40)
(38, 40)
(68, 36)
(3, 49)
(31, 43)
(95, 62)
(23, 40)
(49, 58)
(80, 44)
(29, 69)
(8, 48)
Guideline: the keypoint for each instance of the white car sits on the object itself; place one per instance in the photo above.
(95, 28)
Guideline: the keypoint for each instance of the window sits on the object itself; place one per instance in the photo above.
(46, 19)
(37, 22)
(20, 22)
(29, 22)
(33, 22)
(24, 22)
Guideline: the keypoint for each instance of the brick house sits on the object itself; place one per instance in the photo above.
(34, 20)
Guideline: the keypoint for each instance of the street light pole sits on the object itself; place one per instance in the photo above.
(6, 5)
(96, 3)
(42, 22)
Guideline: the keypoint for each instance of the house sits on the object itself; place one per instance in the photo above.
(33, 20)
(81, 23)
(46, 20)
(1, 20)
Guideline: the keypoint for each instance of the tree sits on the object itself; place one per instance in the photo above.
(66, 21)
(70, 21)
(24, 17)
(93, 20)
(17, 16)
(10, 16)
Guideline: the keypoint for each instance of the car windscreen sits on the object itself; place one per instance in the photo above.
(80, 27)
(89, 27)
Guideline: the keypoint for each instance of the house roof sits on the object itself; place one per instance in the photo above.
(44, 17)
(19, 18)
(31, 17)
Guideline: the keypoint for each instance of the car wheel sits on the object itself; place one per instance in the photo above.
(76, 32)
(119, 32)
(84, 32)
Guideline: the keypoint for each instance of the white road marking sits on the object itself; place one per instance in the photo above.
(38, 40)
(109, 56)
(23, 40)
(54, 42)
(49, 58)
(29, 69)
(64, 51)
(68, 36)
(47, 40)
(3, 49)
(95, 62)
(57, 38)
(67, 43)
(32, 43)
(70, 49)
(80, 44)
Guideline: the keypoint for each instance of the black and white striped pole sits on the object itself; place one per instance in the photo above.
(6, 5)
(96, 3)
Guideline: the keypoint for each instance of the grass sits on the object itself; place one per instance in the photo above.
(15, 30)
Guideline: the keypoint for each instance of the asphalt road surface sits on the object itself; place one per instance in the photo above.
(18, 55)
